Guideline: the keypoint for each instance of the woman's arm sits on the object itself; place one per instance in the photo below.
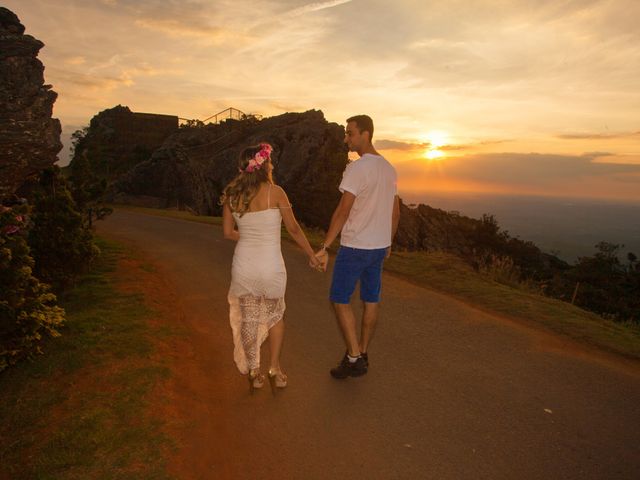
(229, 224)
(292, 226)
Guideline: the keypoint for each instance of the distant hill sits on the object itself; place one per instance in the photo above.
(567, 227)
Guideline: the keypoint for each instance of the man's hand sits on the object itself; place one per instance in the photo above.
(323, 257)
(388, 253)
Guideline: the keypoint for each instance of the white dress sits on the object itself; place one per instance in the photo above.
(258, 284)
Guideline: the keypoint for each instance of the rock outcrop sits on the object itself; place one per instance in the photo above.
(29, 137)
(193, 166)
(432, 229)
(118, 139)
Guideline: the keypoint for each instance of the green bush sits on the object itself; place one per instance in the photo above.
(60, 240)
(27, 308)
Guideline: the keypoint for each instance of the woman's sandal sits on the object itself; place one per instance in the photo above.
(256, 380)
(277, 379)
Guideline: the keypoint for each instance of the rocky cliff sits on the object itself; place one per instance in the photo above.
(194, 165)
(427, 228)
(29, 137)
(117, 139)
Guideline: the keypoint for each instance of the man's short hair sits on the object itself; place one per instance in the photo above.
(364, 124)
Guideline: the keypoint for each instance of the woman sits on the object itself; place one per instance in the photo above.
(258, 275)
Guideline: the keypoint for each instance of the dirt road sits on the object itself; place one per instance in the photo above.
(452, 392)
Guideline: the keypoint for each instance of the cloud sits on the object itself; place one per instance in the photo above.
(396, 145)
(596, 136)
(87, 81)
(314, 7)
(75, 60)
(453, 148)
(207, 22)
(114, 78)
(531, 174)
(385, 144)
(532, 169)
(177, 27)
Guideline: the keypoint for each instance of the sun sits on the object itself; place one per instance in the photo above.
(436, 139)
(433, 154)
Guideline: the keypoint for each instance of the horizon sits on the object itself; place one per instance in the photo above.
(489, 98)
(566, 227)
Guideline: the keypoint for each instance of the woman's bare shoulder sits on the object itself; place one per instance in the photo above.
(278, 191)
(280, 196)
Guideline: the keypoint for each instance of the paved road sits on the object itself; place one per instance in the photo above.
(452, 392)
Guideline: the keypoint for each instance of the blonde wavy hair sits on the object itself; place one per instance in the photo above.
(242, 189)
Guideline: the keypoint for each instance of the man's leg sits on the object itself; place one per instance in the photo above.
(352, 364)
(347, 323)
(369, 320)
(370, 287)
(346, 272)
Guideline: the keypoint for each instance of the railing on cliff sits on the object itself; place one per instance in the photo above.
(226, 114)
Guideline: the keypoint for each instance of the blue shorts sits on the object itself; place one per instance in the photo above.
(353, 264)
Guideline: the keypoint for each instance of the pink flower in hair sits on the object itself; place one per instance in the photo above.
(258, 159)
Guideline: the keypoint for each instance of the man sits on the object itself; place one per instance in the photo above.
(367, 218)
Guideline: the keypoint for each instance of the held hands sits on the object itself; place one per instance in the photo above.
(320, 260)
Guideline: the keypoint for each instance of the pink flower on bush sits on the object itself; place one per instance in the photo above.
(11, 229)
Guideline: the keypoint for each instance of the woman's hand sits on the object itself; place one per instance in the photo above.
(314, 262)
(322, 256)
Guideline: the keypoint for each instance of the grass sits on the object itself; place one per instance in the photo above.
(451, 275)
(82, 410)
(172, 213)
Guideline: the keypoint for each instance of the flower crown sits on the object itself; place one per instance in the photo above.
(258, 159)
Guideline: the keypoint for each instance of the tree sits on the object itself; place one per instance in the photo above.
(61, 242)
(87, 187)
(602, 279)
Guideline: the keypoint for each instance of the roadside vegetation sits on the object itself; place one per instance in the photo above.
(82, 408)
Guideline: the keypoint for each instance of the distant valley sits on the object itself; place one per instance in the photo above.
(567, 227)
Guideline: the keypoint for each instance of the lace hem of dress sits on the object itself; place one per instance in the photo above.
(251, 317)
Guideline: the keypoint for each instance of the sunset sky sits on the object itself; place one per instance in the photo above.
(500, 96)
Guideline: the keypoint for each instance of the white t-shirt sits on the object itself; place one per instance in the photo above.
(373, 180)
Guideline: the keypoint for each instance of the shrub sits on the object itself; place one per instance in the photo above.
(61, 242)
(27, 308)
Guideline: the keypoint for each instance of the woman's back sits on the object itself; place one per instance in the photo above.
(261, 224)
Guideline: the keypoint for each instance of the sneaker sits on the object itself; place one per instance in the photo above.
(365, 357)
(347, 369)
